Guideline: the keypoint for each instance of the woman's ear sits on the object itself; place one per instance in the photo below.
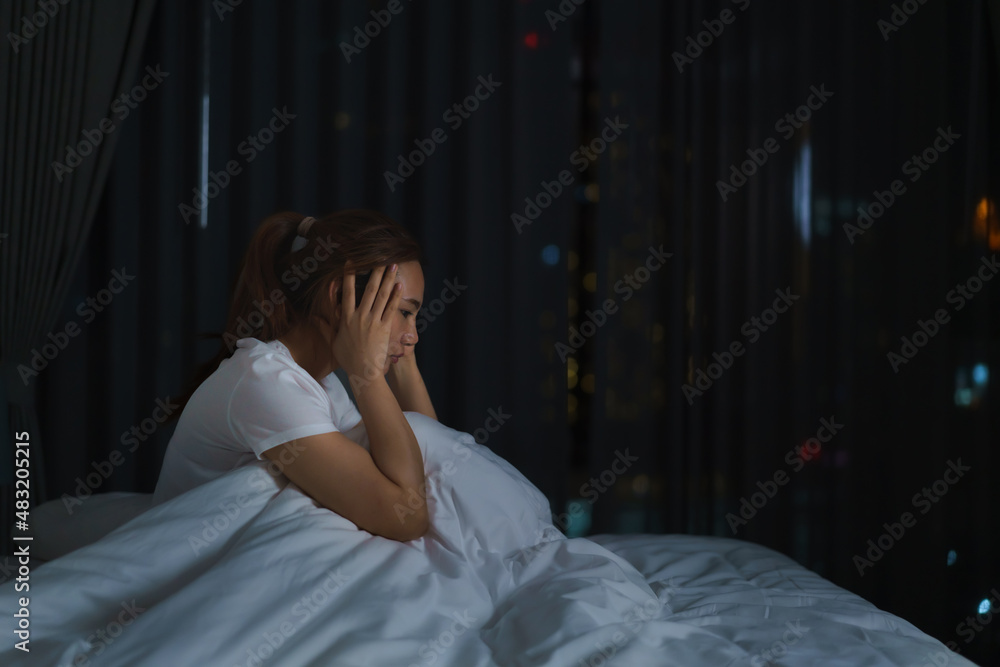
(334, 292)
(333, 298)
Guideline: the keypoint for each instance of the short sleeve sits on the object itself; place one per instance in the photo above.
(273, 404)
(345, 413)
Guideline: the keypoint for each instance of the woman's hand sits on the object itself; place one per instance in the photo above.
(408, 386)
(406, 364)
(362, 339)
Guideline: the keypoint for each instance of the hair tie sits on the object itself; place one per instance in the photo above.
(300, 241)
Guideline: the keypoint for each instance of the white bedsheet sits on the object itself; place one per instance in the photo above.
(247, 570)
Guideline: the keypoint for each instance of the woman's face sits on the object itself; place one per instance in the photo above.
(403, 336)
(404, 321)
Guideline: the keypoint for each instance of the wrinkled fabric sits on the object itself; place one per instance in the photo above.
(247, 571)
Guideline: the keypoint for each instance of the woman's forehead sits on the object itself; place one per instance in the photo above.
(412, 278)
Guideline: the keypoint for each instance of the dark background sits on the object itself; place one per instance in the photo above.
(655, 184)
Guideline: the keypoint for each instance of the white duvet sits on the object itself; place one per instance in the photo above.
(248, 571)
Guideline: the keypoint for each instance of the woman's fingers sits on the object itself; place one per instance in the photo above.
(396, 293)
(386, 290)
(371, 289)
(381, 296)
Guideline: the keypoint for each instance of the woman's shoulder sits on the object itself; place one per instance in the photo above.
(253, 349)
(258, 355)
(267, 366)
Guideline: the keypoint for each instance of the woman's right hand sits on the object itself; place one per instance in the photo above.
(361, 343)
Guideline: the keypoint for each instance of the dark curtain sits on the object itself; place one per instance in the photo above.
(599, 140)
(723, 451)
(63, 70)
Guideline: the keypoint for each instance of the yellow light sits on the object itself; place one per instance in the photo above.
(592, 192)
(986, 224)
(342, 120)
(590, 282)
(587, 383)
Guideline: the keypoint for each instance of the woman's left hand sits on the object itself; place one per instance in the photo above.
(408, 387)
(401, 371)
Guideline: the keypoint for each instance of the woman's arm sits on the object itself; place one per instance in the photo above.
(393, 446)
(375, 490)
(343, 477)
(372, 490)
(407, 385)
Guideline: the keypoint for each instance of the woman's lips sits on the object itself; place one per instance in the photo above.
(395, 357)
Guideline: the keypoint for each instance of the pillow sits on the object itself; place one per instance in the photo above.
(60, 527)
(476, 499)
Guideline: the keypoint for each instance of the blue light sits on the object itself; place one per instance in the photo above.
(980, 374)
(984, 606)
(550, 254)
(802, 192)
(952, 557)
(577, 518)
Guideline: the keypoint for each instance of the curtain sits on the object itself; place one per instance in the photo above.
(761, 212)
(64, 75)
(676, 262)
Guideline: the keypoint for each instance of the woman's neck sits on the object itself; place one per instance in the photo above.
(310, 349)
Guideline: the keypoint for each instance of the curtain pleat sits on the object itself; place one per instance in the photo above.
(57, 86)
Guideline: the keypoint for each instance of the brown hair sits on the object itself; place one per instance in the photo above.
(278, 287)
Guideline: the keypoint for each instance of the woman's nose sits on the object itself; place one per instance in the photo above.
(409, 338)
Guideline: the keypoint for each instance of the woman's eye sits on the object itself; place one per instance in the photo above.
(406, 313)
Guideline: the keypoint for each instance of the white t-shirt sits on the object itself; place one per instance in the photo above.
(257, 399)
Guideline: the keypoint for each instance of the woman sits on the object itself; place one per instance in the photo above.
(299, 313)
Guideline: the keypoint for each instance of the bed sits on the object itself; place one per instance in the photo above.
(248, 571)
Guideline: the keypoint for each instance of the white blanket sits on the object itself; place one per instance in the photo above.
(249, 571)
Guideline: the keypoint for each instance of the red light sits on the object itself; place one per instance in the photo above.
(531, 40)
(811, 450)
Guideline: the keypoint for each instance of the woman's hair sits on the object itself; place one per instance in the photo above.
(279, 287)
